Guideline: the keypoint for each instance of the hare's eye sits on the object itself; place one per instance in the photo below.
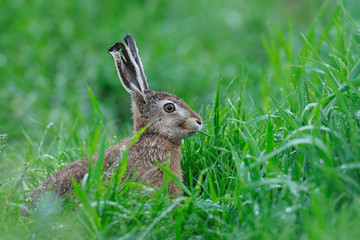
(169, 107)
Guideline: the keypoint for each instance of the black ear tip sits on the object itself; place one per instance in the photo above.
(128, 37)
(116, 47)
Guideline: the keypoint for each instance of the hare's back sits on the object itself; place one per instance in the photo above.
(114, 153)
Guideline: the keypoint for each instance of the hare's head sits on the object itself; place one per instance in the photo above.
(167, 114)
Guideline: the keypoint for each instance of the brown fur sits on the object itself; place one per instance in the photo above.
(60, 183)
(160, 141)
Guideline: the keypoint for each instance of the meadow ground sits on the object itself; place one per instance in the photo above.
(276, 83)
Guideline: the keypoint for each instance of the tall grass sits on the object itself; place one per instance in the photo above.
(280, 165)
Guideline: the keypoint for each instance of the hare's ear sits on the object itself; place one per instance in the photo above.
(130, 42)
(129, 66)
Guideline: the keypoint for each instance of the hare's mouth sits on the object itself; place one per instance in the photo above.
(191, 133)
(187, 134)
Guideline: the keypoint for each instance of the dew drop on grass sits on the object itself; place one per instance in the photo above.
(358, 114)
(249, 176)
(288, 209)
(246, 202)
(281, 89)
(321, 161)
(256, 209)
(272, 186)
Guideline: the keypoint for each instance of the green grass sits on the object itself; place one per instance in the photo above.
(278, 157)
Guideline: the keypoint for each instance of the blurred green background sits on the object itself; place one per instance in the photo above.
(50, 51)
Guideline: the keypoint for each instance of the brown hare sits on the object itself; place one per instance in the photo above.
(170, 120)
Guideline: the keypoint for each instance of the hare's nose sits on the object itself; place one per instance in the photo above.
(199, 122)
